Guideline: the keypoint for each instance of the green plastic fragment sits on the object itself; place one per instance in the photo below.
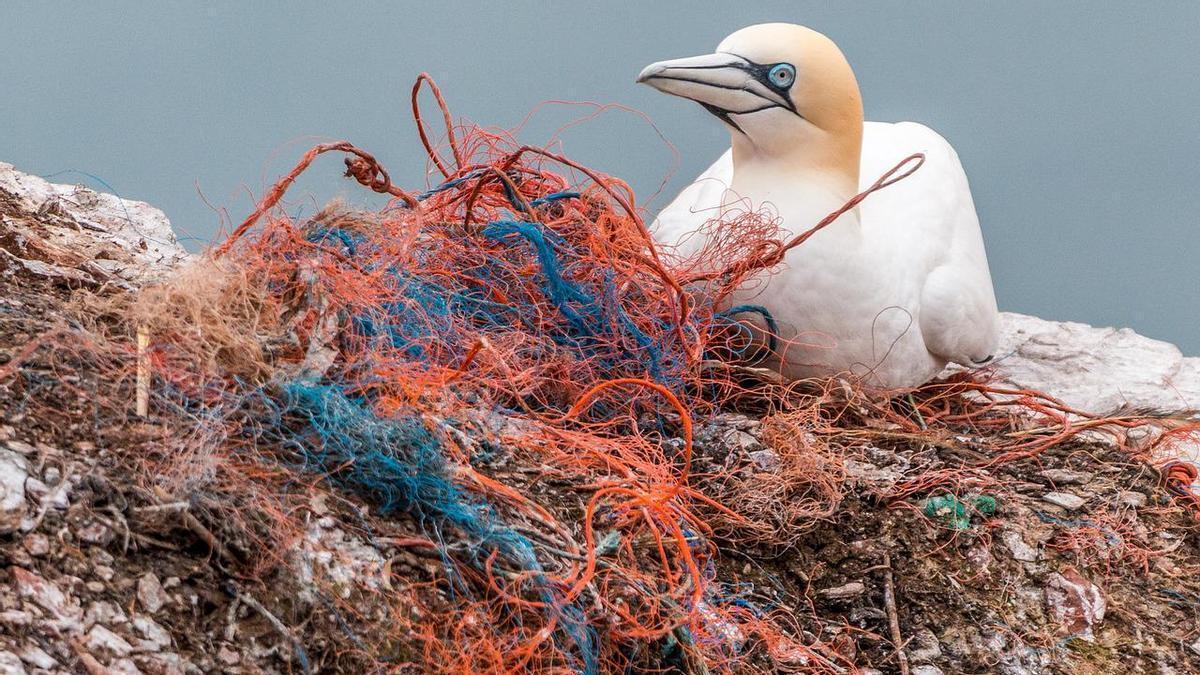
(956, 513)
(985, 505)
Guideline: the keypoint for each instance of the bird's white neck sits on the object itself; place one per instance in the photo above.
(805, 181)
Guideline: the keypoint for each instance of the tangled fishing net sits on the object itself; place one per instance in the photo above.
(501, 375)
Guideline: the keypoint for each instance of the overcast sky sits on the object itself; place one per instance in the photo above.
(1077, 122)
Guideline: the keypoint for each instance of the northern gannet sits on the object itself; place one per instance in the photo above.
(892, 290)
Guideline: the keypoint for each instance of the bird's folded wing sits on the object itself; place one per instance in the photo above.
(929, 224)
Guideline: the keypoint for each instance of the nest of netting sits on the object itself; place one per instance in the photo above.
(508, 377)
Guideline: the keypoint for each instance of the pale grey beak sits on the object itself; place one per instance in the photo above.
(724, 83)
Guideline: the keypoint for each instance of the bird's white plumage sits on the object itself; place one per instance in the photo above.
(892, 297)
(892, 290)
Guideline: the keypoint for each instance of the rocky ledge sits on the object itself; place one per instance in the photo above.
(1078, 562)
(72, 233)
(1098, 370)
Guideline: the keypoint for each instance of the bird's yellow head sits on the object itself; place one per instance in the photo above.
(781, 88)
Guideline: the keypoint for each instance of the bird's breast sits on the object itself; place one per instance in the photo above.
(841, 300)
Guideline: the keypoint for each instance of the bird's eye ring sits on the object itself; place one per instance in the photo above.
(782, 75)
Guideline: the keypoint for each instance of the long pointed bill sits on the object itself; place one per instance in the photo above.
(726, 84)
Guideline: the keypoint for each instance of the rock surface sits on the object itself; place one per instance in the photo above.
(14, 469)
(75, 234)
(1096, 369)
(1076, 603)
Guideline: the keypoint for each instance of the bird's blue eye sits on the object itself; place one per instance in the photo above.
(782, 75)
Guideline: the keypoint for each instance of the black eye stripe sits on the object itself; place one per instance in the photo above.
(762, 73)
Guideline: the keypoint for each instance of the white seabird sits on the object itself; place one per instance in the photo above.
(892, 290)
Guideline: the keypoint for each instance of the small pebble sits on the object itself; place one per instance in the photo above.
(1066, 500)
(1065, 476)
(21, 558)
(23, 448)
(37, 657)
(924, 646)
(15, 617)
(95, 533)
(101, 640)
(850, 590)
(1134, 500)
(150, 592)
(227, 656)
(764, 460)
(10, 664)
(37, 544)
(1017, 545)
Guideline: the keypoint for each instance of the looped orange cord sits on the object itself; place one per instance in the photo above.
(685, 419)
(363, 167)
(1180, 473)
(425, 79)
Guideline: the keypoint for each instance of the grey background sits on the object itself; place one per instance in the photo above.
(1077, 121)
